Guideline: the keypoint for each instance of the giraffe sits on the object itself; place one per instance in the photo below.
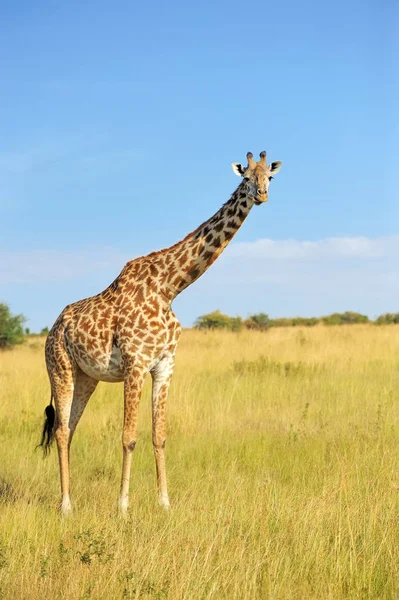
(129, 330)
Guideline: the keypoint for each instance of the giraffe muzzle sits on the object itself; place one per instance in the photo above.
(260, 199)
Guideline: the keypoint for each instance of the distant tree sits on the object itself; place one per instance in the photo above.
(346, 318)
(260, 322)
(281, 322)
(333, 319)
(11, 327)
(354, 317)
(294, 322)
(216, 320)
(387, 319)
(236, 323)
(27, 331)
(44, 331)
(305, 321)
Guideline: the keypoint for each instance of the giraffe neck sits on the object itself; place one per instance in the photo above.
(187, 260)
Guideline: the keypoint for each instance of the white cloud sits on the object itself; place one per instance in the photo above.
(356, 247)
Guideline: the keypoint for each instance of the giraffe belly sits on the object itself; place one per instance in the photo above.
(110, 369)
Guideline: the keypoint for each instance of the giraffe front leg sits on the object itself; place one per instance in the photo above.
(134, 381)
(161, 377)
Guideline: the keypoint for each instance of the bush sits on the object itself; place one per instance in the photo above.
(346, 318)
(217, 320)
(294, 322)
(261, 322)
(305, 321)
(213, 320)
(236, 323)
(281, 322)
(11, 327)
(387, 319)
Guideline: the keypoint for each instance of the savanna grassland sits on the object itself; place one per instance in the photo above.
(283, 469)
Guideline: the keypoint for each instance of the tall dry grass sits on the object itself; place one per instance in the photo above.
(283, 460)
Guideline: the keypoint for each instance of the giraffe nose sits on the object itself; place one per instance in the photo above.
(260, 192)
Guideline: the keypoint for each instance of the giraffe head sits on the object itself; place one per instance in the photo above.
(257, 176)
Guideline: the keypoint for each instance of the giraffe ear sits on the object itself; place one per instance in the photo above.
(238, 169)
(275, 166)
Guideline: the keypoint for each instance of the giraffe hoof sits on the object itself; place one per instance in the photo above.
(164, 503)
(66, 508)
(123, 504)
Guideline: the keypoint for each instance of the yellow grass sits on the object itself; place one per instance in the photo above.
(283, 459)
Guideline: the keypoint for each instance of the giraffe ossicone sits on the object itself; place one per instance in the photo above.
(129, 330)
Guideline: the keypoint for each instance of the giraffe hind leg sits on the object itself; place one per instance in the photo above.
(61, 371)
(63, 396)
(69, 411)
(84, 388)
(71, 389)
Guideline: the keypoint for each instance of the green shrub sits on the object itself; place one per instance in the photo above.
(295, 322)
(346, 318)
(214, 320)
(260, 321)
(387, 319)
(11, 327)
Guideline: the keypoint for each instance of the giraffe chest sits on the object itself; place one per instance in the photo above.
(108, 365)
(101, 352)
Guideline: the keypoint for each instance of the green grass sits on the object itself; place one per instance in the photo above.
(282, 461)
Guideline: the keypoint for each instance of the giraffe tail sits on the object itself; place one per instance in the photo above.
(48, 428)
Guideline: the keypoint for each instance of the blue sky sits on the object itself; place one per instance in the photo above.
(119, 122)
